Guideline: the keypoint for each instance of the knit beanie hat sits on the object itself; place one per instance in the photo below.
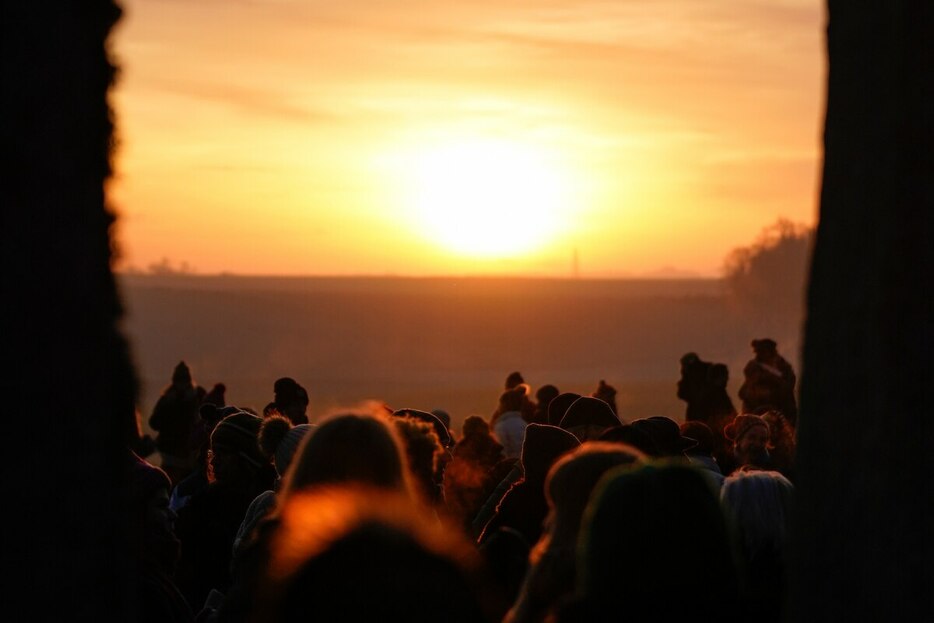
(741, 425)
(542, 446)
(279, 439)
(239, 432)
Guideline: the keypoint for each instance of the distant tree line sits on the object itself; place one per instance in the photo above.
(766, 281)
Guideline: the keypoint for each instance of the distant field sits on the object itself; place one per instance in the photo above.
(426, 343)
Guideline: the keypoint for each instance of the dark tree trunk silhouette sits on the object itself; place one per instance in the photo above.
(69, 389)
(863, 533)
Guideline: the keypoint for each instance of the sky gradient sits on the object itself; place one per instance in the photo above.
(424, 138)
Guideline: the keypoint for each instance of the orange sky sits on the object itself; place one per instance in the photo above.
(495, 137)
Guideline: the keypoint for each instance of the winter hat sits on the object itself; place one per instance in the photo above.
(182, 373)
(278, 439)
(238, 432)
(559, 406)
(589, 411)
(666, 434)
(542, 446)
(741, 425)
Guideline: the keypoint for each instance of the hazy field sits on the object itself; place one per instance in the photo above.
(430, 343)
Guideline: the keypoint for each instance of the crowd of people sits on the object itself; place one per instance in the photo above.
(553, 507)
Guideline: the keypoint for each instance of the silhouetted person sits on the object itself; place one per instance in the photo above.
(508, 422)
(703, 386)
(666, 435)
(654, 546)
(345, 450)
(606, 393)
(758, 505)
(543, 397)
(559, 406)
(568, 486)
(174, 418)
(291, 400)
(155, 547)
(523, 507)
(750, 436)
(468, 478)
(702, 453)
(588, 417)
(371, 556)
(207, 526)
(769, 382)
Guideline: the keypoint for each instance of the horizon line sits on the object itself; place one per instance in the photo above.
(597, 277)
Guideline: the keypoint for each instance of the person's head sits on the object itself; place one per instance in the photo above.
(559, 406)
(571, 480)
(441, 430)
(606, 393)
(588, 417)
(235, 457)
(291, 400)
(444, 416)
(666, 434)
(475, 425)
(541, 447)
(513, 399)
(352, 448)
(181, 375)
(151, 520)
(764, 348)
(513, 380)
(758, 504)
(750, 436)
(370, 555)
(631, 436)
(279, 439)
(646, 532)
(701, 432)
(425, 455)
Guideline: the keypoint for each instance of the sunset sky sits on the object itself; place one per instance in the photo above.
(411, 137)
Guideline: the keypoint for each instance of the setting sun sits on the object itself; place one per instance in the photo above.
(489, 198)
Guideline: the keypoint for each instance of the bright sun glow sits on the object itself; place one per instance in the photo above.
(489, 198)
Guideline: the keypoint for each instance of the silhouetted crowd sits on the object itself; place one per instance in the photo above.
(554, 507)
